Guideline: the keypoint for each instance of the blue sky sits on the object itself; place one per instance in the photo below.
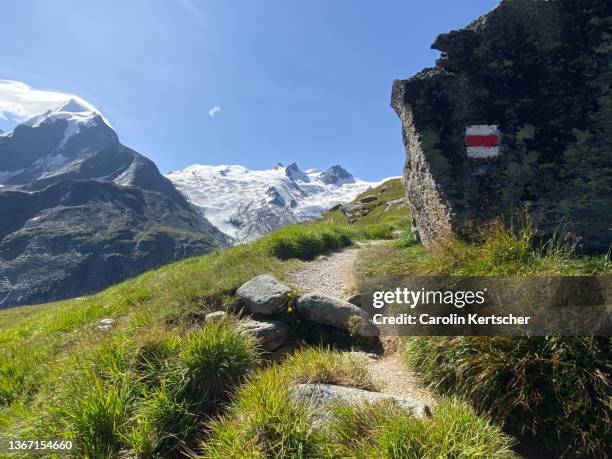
(306, 81)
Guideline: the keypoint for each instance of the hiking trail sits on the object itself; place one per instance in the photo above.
(333, 274)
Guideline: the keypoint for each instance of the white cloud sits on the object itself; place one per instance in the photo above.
(213, 111)
(22, 102)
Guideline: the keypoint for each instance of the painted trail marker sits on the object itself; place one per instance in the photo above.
(482, 140)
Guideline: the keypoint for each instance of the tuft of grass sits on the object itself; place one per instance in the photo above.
(555, 389)
(264, 422)
(211, 361)
(318, 365)
(508, 251)
(305, 242)
(382, 430)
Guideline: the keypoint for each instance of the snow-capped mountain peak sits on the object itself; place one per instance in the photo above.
(246, 204)
(294, 173)
(73, 111)
(51, 140)
(337, 175)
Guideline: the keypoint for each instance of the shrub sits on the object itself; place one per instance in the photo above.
(384, 431)
(555, 389)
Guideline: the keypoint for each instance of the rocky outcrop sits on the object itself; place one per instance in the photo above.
(514, 118)
(263, 295)
(325, 396)
(327, 310)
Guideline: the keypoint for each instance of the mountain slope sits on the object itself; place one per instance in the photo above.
(79, 216)
(246, 204)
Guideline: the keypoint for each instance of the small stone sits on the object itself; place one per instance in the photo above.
(106, 324)
(263, 294)
(325, 396)
(216, 316)
(363, 355)
(271, 334)
(328, 310)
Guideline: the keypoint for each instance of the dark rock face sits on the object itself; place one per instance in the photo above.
(337, 174)
(541, 71)
(100, 219)
(24, 150)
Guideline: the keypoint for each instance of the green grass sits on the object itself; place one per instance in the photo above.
(555, 389)
(149, 398)
(396, 216)
(319, 365)
(265, 422)
(383, 431)
(501, 252)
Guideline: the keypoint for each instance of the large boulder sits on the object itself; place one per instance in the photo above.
(271, 334)
(514, 118)
(325, 396)
(263, 294)
(328, 310)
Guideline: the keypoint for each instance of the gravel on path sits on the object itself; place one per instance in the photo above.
(330, 274)
(333, 274)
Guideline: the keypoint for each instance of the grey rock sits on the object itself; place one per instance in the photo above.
(105, 324)
(401, 202)
(354, 209)
(263, 294)
(369, 198)
(325, 396)
(215, 316)
(554, 157)
(355, 299)
(328, 310)
(271, 334)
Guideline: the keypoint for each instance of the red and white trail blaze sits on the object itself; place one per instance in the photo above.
(482, 141)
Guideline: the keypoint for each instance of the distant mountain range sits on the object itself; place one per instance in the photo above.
(246, 204)
(79, 211)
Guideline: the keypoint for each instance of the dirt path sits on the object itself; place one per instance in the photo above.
(330, 274)
(333, 275)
